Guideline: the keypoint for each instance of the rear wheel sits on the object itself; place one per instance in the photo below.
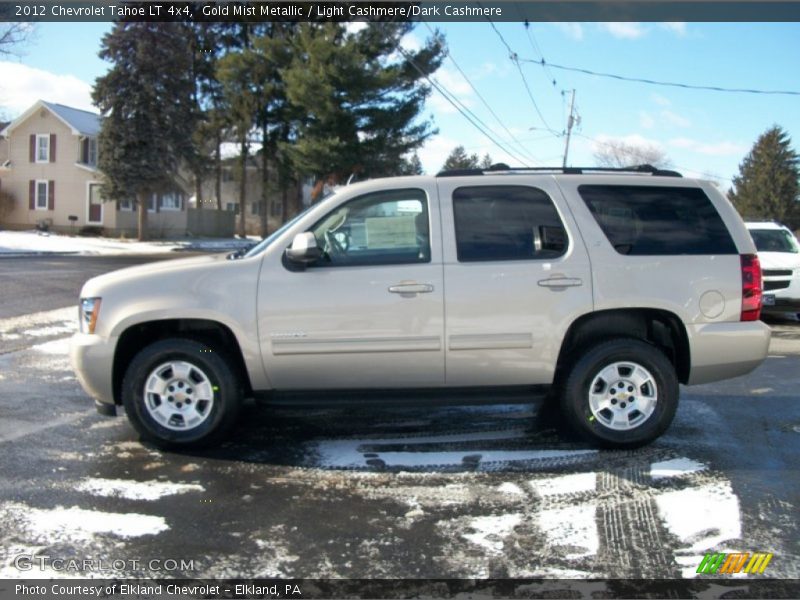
(181, 393)
(621, 393)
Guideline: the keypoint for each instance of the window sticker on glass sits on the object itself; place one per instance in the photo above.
(391, 232)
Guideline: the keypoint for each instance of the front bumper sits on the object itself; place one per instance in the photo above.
(724, 350)
(92, 357)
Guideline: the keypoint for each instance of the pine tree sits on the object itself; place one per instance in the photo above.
(358, 96)
(411, 166)
(768, 183)
(147, 102)
(459, 159)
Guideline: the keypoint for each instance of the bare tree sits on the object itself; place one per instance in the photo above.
(618, 153)
(13, 35)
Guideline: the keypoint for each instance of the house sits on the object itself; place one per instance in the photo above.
(295, 198)
(48, 162)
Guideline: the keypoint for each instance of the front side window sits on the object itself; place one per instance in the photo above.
(773, 240)
(654, 220)
(382, 228)
(506, 222)
(92, 152)
(43, 147)
(41, 195)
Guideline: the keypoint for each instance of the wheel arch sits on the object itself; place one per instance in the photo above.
(660, 328)
(138, 336)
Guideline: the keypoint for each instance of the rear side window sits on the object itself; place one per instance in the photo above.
(651, 220)
(506, 222)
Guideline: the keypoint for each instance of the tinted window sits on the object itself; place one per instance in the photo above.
(773, 240)
(651, 220)
(506, 222)
(376, 229)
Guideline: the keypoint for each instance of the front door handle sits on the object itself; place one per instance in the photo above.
(410, 289)
(560, 282)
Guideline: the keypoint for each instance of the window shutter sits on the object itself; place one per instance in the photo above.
(32, 148)
(85, 151)
(52, 147)
(51, 195)
(32, 195)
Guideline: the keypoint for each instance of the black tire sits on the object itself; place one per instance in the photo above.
(582, 373)
(215, 379)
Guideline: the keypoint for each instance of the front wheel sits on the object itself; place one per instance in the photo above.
(181, 393)
(621, 393)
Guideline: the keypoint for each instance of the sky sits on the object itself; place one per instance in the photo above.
(703, 133)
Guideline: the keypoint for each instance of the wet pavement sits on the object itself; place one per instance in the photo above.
(385, 492)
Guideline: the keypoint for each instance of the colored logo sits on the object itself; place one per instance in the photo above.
(736, 562)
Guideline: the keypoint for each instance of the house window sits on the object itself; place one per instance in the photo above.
(151, 203)
(171, 202)
(276, 208)
(92, 152)
(233, 207)
(42, 193)
(126, 204)
(43, 147)
(254, 208)
(227, 174)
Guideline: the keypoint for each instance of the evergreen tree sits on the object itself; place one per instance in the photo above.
(147, 101)
(359, 96)
(411, 166)
(459, 159)
(767, 186)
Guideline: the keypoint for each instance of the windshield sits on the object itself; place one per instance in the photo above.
(263, 244)
(774, 240)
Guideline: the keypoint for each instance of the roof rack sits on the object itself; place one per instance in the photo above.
(504, 168)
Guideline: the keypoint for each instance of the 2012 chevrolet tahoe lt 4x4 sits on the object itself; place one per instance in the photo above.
(610, 288)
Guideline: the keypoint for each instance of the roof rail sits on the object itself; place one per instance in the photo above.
(504, 168)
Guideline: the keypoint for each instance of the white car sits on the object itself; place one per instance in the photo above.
(779, 253)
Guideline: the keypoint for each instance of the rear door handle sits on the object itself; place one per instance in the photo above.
(560, 282)
(411, 289)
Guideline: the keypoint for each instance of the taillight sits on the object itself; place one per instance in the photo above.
(751, 287)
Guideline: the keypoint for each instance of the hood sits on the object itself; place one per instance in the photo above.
(96, 285)
(779, 260)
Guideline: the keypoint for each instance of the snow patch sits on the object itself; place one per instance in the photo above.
(55, 348)
(490, 531)
(510, 488)
(572, 528)
(51, 330)
(39, 319)
(135, 490)
(676, 467)
(701, 517)
(61, 524)
(565, 484)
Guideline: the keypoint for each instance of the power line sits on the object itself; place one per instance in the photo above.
(515, 59)
(486, 104)
(661, 83)
(456, 103)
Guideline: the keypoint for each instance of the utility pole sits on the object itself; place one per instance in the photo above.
(570, 123)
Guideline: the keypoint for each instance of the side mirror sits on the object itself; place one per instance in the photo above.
(304, 249)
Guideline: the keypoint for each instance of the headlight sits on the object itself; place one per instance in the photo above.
(88, 310)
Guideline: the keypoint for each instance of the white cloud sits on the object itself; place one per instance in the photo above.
(454, 83)
(29, 85)
(723, 148)
(676, 27)
(674, 119)
(660, 100)
(625, 30)
(353, 27)
(646, 120)
(410, 43)
(435, 152)
(571, 30)
(632, 140)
